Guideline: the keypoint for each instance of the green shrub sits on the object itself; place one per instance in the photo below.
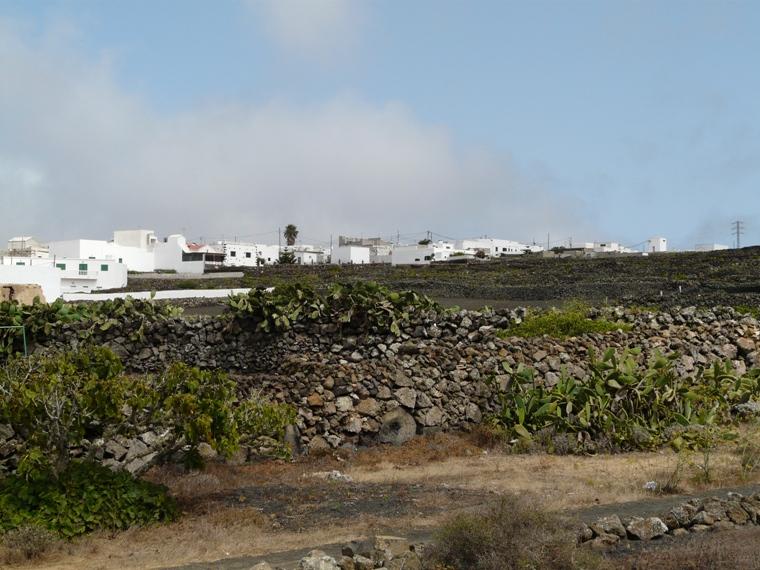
(562, 324)
(358, 306)
(196, 406)
(41, 320)
(624, 404)
(84, 497)
(751, 310)
(56, 401)
(513, 535)
(257, 416)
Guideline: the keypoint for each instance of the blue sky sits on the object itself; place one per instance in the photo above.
(597, 120)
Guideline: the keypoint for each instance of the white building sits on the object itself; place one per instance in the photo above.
(657, 245)
(46, 276)
(249, 254)
(425, 254)
(710, 247)
(606, 247)
(139, 250)
(381, 253)
(27, 246)
(350, 255)
(495, 247)
(72, 275)
(308, 254)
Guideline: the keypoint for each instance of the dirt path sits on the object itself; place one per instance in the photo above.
(647, 507)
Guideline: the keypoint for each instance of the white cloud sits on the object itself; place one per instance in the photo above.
(315, 29)
(87, 158)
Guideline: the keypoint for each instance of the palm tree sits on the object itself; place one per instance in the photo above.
(290, 234)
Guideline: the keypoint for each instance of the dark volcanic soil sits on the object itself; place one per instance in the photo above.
(729, 277)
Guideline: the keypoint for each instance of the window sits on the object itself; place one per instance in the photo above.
(61, 266)
(92, 257)
(120, 260)
(20, 263)
(428, 258)
(232, 254)
(248, 254)
(104, 267)
(82, 267)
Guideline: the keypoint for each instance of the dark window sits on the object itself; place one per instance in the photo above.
(248, 254)
(192, 256)
(232, 254)
(61, 266)
(104, 267)
(82, 267)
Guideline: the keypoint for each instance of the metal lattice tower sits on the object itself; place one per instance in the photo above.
(738, 230)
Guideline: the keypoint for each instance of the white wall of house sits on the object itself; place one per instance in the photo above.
(173, 254)
(141, 239)
(349, 255)
(492, 247)
(77, 275)
(413, 255)
(46, 276)
(136, 259)
(657, 245)
(139, 250)
(308, 257)
(249, 254)
(609, 247)
(425, 254)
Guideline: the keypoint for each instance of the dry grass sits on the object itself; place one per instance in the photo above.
(715, 551)
(564, 481)
(210, 530)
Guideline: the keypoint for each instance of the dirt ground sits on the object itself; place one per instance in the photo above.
(236, 512)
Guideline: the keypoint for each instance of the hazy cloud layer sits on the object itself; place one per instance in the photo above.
(320, 30)
(80, 157)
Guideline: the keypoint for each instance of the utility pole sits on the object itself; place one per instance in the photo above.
(547, 241)
(738, 229)
(279, 240)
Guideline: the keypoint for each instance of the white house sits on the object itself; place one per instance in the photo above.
(139, 250)
(307, 254)
(381, 253)
(657, 245)
(249, 254)
(495, 247)
(27, 246)
(607, 247)
(424, 254)
(46, 276)
(74, 275)
(350, 255)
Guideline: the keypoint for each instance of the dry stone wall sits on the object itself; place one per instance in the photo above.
(444, 372)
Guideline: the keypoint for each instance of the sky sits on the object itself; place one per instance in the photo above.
(535, 120)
